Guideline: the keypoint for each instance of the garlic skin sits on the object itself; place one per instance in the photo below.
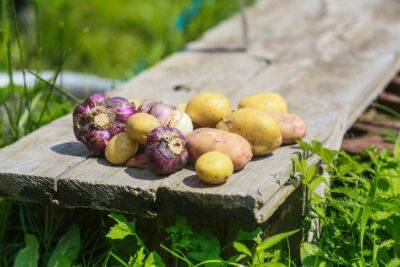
(98, 118)
(162, 111)
(166, 151)
(182, 122)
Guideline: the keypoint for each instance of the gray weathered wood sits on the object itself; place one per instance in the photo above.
(328, 58)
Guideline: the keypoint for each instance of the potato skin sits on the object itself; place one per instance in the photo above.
(120, 148)
(267, 101)
(139, 125)
(214, 167)
(292, 126)
(203, 140)
(256, 126)
(206, 109)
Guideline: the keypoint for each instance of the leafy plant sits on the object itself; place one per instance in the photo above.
(65, 253)
(265, 252)
(142, 257)
(28, 256)
(198, 248)
(360, 212)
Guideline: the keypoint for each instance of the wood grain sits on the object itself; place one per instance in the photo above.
(329, 59)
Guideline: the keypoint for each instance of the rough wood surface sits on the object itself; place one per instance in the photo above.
(329, 59)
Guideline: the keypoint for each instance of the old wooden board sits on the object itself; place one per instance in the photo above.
(328, 58)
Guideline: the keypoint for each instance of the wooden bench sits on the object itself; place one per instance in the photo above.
(329, 59)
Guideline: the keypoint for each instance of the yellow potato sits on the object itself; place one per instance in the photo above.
(292, 126)
(139, 125)
(214, 167)
(256, 126)
(203, 140)
(208, 108)
(265, 101)
(120, 148)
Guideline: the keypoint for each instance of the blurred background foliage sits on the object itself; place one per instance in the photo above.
(113, 39)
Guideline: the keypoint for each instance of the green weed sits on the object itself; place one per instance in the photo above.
(359, 215)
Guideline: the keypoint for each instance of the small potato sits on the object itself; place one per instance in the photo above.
(214, 167)
(139, 125)
(208, 108)
(203, 140)
(292, 126)
(267, 102)
(120, 148)
(256, 126)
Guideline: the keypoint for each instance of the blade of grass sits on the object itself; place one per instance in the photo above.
(387, 109)
(24, 120)
(51, 89)
(11, 90)
(183, 258)
(396, 150)
(61, 91)
(22, 61)
(118, 259)
(37, 33)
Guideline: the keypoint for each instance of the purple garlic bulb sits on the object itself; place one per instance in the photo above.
(98, 118)
(165, 150)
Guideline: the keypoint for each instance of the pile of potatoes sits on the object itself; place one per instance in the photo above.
(225, 139)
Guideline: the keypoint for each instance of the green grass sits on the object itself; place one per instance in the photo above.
(111, 38)
(361, 212)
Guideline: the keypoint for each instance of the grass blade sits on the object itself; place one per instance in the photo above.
(63, 92)
(273, 240)
(68, 248)
(387, 109)
(396, 150)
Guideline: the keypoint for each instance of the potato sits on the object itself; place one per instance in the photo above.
(267, 101)
(203, 140)
(120, 148)
(208, 108)
(139, 125)
(256, 126)
(292, 126)
(214, 167)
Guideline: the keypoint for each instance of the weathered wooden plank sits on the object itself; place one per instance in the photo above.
(328, 58)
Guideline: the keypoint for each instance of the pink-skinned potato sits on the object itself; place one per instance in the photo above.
(292, 126)
(203, 140)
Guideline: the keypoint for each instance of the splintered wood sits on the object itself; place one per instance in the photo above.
(329, 59)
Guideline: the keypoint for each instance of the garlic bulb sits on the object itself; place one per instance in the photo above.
(182, 122)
